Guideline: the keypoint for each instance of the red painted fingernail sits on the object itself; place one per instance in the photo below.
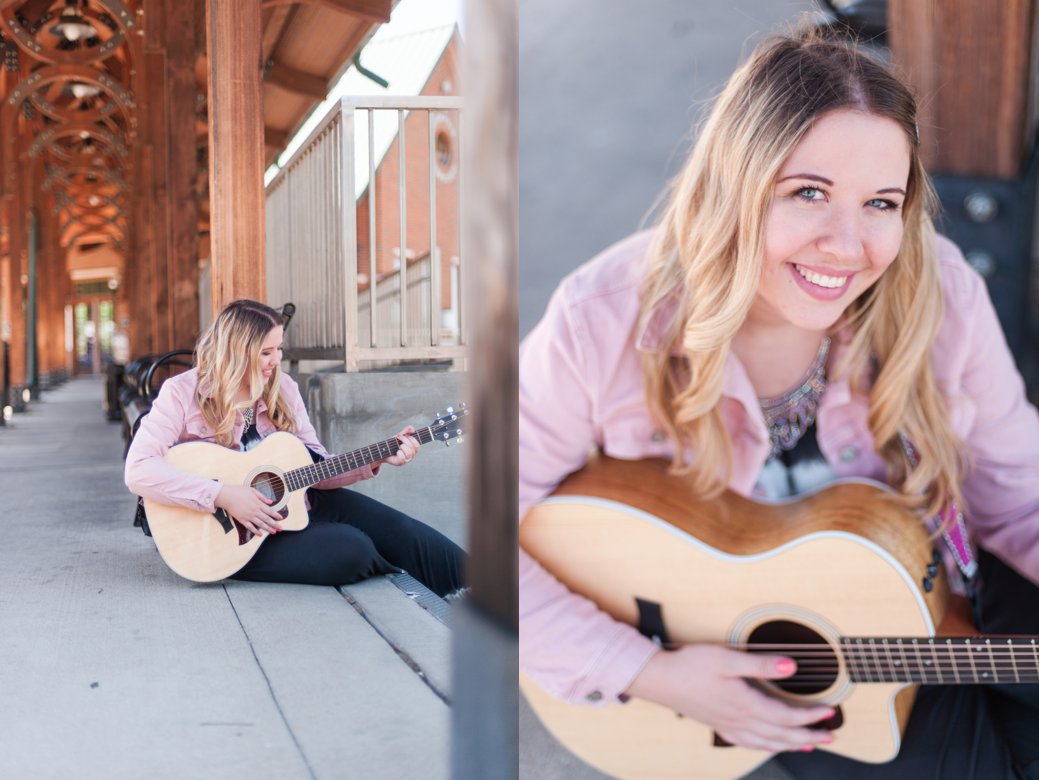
(807, 748)
(785, 666)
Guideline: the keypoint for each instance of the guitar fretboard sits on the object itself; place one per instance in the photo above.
(942, 660)
(304, 477)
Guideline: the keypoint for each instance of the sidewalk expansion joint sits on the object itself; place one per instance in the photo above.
(270, 688)
(410, 662)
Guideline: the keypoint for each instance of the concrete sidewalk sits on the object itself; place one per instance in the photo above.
(113, 667)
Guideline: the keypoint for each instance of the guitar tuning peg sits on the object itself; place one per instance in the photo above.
(437, 415)
(450, 410)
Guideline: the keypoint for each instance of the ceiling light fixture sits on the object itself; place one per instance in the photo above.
(71, 25)
(81, 90)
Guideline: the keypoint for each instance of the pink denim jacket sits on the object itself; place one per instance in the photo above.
(581, 388)
(175, 418)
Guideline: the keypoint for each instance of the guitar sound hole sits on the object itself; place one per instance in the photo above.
(816, 661)
(270, 485)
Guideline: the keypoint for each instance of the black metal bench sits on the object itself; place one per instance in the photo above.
(140, 386)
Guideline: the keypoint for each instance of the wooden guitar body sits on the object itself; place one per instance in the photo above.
(845, 562)
(195, 544)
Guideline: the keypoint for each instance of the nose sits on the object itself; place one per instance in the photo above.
(842, 236)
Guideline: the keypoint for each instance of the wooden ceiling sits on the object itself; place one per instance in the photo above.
(306, 47)
(70, 76)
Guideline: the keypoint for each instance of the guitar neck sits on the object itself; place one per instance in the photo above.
(942, 660)
(304, 477)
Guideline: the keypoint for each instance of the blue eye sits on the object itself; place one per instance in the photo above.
(884, 205)
(810, 194)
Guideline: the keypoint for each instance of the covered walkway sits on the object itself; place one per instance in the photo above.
(113, 667)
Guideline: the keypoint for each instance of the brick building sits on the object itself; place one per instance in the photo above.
(422, 63)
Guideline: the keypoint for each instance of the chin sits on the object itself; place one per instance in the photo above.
(818, 321)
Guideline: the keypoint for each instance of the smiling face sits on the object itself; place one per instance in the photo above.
(835, 223)
(270, 352)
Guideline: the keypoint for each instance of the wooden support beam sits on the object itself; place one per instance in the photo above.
(236, 150)
(373, 10)
(276, 24)
(51, 291)
(155, 126)
(18, 240)
(275, 138)
(484, 631)
(491, 234)
(182, 203)
(971, 65)
(297, 81)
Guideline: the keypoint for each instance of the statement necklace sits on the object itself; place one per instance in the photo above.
(788, 416)
(249, 414)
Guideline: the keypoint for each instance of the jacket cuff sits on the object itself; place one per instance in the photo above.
(610, 673)
(207, 500)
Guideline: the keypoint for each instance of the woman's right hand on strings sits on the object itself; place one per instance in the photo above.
(708, 683)
(249, 507)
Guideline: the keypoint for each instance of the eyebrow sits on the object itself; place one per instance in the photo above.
(824, 180)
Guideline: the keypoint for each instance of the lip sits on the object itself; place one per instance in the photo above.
(817, 292)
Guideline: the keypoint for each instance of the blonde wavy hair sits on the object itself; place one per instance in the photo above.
(228, 357)
(709, 246)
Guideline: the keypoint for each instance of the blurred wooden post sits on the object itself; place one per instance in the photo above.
(181, 165)
(236, 146)
(16, 241)
(973, 67)
(484, 714)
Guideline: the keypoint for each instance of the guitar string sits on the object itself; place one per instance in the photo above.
(947, 655)
(988, 663)
(428, 430)
(898, 674)
(1025, 644)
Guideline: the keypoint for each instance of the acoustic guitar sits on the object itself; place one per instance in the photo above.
(206, 547)
(845, 581)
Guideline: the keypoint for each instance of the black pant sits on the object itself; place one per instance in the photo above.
(351, 537)
(969, 732)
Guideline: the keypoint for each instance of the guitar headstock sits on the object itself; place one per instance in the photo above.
(449, 424)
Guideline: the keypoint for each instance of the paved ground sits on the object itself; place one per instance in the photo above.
(111, 667)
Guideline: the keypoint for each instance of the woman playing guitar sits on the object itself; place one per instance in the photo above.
(793, 318)
(237, 395)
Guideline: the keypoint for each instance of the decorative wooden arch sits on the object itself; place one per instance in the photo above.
(30, 86)
(109, 235)
(124, 19)
(66, 175)
(48, 139)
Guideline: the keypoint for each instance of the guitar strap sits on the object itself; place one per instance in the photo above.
(953, 528)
